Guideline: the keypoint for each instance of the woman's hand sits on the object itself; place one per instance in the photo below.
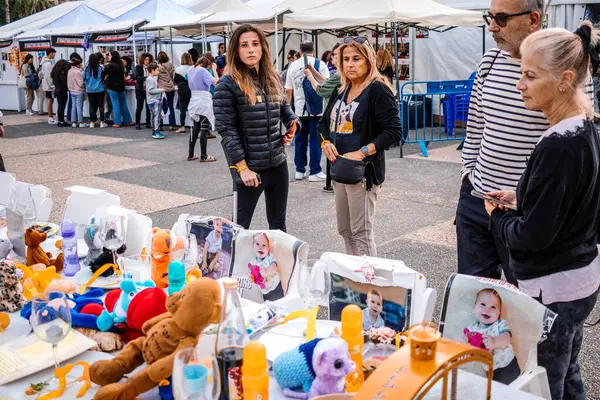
(330, 152)
(509, 196)
(489, 206)
(249, 178)
(357, 155)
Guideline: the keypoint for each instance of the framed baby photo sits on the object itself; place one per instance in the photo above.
(384, 289)
(264, 263)
(215, 237)
(495, 316)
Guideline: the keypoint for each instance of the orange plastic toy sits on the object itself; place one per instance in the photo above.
(162, 246)
(61, 374)
(4, 321)
(413, 370)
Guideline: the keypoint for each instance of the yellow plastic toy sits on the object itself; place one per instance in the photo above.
(61, 374)
(310, 315)
(413, 370)
(4, 321)
(35, 280)
(99, 272)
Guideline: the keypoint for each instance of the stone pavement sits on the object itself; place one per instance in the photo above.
(414, 217)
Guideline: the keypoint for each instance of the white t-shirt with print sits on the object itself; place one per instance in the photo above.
(502, 356)
(295, 76)
(272, 282)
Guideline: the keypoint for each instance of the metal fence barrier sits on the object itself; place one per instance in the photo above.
(437, 114)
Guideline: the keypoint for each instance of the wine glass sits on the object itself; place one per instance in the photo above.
(114, 234)
(196, 374)
(51, 322)
(314, 284)
(22, 203)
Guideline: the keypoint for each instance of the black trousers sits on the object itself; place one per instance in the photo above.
(184, 102)
(96, 101)
(2, 167)
(559, 353)
(201, 127)
(62, 104)
(275, 182)
(140, 99)
(480, 251)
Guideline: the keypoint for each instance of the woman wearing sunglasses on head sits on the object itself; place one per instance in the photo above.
(248, 107)
(357, 126)
(552, 235)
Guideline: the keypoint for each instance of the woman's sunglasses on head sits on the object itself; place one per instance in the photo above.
(357, 39)
(501, 18)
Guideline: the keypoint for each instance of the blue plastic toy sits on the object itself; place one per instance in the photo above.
(129, 289)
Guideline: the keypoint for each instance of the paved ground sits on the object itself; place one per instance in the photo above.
(414, 216)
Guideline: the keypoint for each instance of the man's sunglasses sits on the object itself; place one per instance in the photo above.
(357, 39)
(502, 19)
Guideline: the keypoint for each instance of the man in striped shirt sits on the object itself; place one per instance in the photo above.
(501, 135)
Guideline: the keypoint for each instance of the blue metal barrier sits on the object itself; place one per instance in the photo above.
(450, 99)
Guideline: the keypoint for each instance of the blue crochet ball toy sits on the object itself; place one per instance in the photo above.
(294, 368)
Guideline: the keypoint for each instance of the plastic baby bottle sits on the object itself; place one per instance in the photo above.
(255, 378)
(352, 334)
(69, 246)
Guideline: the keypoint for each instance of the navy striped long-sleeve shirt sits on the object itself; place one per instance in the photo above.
(501, 132)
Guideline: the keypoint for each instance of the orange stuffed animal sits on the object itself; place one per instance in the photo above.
(162, 247)
(37, 255)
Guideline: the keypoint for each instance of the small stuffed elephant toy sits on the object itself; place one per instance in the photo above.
(5, 248)
(326, 374)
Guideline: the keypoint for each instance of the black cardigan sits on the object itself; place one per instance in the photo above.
(555, 227)
(380, 127)
(140, 79)
(114, 77)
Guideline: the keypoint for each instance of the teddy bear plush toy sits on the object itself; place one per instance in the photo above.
(188, 313)
(37, 255)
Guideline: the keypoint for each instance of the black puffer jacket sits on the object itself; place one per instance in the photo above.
(250, 132)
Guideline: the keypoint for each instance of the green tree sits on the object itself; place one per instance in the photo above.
(17, 9)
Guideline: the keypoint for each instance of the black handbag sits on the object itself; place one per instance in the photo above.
(344, 170)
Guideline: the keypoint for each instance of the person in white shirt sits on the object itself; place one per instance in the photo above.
(309, 117)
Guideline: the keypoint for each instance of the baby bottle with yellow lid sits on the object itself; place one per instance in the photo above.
(255, 378)
(352, 334)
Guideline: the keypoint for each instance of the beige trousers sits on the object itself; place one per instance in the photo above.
(355, 210)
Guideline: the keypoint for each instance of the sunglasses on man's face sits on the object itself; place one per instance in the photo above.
(502, 18)
(357, 39)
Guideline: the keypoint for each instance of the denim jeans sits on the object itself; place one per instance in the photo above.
(308, 134)
(559, 353)
(170, 105)
(120, 110)
(77, 108)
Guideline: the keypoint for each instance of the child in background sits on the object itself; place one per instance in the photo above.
(154, 99)
(495, 335)
(264, 270)
(212, 250)
(372, 314)
(76, 89)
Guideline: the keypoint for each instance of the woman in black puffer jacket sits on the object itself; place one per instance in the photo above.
(248, 106)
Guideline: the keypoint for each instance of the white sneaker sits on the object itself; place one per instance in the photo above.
(28, 112)
(103, 125)
(52, 121)
(82, 125)
(92, 124)
(299, 176)
(320, 177)
(74, 125)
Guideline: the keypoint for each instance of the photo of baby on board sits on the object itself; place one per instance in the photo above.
(382, 305)
(495, 316)
(267, 260)
(215, 242)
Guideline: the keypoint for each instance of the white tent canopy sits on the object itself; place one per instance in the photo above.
(182, 22)
(80, 30)
(344, 13)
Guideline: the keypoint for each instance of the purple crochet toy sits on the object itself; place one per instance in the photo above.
(330, 362)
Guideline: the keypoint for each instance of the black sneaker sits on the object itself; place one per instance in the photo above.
(138, 127)
(328, 189)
